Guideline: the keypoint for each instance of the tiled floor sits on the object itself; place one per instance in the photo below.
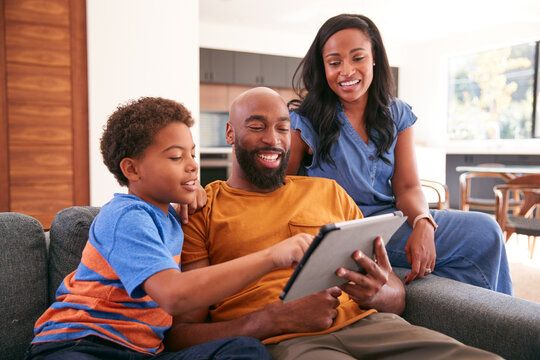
(525, 271)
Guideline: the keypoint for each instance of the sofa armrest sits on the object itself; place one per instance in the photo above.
(499, 323)
(23, 281)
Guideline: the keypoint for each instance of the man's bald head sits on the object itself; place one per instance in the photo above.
(255, 100)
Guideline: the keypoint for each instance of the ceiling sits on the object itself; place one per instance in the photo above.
(398, 20)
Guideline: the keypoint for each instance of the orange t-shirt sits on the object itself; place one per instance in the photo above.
(235, 223)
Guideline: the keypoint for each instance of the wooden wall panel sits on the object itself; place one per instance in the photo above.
(38, 44)
(214, 97)
(51, 164)
(287, 94)
(39, 84)
(218, 97)
(44, 102)
(4, 129)
(79, 105)
(42, 208)
(40, 124)
(47, 188)
(55, 12)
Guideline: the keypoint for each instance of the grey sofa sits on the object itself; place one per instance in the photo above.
(32, 267)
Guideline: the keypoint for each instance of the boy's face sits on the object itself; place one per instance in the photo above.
(167, 171)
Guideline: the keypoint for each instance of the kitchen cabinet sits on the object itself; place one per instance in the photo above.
(259, 69)
(247, 69)
(243, 68)
(216, 66)
(292, 65)
(274, 71)
(264, 70)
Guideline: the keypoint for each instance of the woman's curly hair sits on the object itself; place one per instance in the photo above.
(133, 126)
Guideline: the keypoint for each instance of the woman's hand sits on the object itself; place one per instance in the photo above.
(420, 251)
(410, 199)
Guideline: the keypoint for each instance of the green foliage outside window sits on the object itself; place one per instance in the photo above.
(491, 94)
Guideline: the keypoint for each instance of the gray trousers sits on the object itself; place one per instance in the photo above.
(377, 336)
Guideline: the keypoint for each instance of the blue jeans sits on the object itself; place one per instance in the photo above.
(470, 248)
(96, 348)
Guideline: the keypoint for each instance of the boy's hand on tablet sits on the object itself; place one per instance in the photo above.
(290, 251)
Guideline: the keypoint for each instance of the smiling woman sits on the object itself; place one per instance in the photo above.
(348, 65)
(348, 127)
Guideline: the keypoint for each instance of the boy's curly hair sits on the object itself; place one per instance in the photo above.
(133, 126)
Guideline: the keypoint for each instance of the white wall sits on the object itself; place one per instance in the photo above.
(423, 84)
(276, 42)
(240, 38)
(137, 48)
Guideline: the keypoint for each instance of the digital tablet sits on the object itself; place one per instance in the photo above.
(333, 247)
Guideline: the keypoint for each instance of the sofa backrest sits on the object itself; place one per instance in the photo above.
(23, 281)
(68, 236)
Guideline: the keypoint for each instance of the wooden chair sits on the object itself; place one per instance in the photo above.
(436, 190)
(467, 202)
(527, 220)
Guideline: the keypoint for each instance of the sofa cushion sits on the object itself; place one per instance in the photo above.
(68, 236)
(505, 325)
(23, 283)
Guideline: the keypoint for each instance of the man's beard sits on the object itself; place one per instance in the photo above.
(261, 177)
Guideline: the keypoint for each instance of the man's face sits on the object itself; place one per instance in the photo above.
(261, 140)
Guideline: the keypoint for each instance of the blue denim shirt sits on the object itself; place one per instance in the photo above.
(365, 177)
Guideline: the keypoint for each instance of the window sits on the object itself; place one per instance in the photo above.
(494, 94)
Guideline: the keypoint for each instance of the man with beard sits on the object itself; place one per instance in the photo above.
(262, 154)
(259, 206)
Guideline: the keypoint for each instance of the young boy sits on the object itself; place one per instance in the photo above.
(119, 302)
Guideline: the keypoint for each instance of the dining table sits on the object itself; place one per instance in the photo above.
(507, 171)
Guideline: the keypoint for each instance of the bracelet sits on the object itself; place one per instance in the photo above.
(425, 216)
